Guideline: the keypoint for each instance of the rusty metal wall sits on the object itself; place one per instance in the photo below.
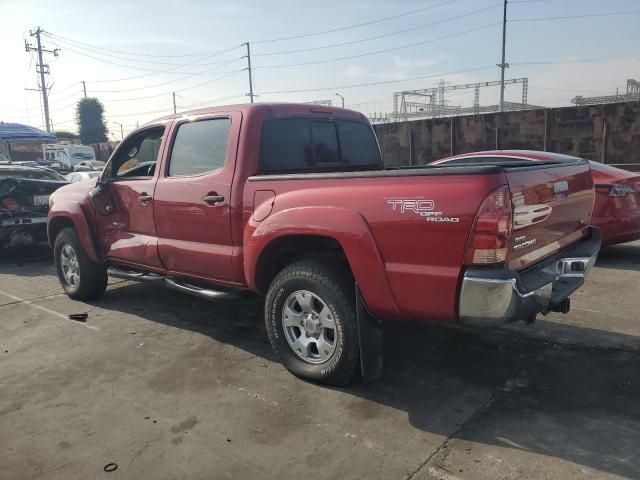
(608, 133)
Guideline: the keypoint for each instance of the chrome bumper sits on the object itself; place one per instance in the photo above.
(490, 297)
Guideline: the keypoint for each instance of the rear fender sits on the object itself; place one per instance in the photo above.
(63, 212)
(347, 227)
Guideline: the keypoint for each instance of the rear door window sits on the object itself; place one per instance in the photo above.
(303, 144)
(200, 147)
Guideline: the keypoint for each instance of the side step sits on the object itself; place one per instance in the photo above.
(174, 283)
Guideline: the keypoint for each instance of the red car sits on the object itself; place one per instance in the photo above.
(293, 202)
(617, 206)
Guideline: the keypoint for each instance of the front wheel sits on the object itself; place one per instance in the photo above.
(311, 321)
(81, 278)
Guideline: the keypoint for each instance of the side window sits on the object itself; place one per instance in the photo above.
(139, 155)
(200, 147)
(286, 145)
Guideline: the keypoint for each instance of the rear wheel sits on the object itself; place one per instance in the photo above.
(311, 321)
(80, 277)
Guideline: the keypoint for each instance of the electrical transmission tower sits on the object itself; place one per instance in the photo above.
(633, 94)
(42, 69)
(430, 102)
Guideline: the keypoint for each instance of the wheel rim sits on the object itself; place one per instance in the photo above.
(69, 266)
(309, 327)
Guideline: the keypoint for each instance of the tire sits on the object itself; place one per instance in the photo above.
(90, 281)
(317, 303)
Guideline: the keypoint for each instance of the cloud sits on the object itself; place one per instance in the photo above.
(355, 72)
(411, 64)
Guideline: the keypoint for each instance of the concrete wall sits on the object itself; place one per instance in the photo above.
(609, 133)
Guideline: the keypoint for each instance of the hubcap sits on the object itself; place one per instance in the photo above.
(69, 265)
(309, 327)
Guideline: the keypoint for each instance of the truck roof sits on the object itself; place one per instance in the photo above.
(274, 109)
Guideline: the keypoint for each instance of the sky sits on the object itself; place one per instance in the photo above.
(134, 54)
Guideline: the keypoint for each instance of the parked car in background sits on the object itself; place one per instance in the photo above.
(81, 176)
(293, 202)
(65, 156)
(24, 202)
(89, 165)
(616, 209)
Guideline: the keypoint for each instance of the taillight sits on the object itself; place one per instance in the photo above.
(10, 203)
(491, 231)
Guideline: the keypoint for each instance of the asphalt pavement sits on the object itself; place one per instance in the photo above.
(163, 385)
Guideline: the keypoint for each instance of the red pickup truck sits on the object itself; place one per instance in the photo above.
(293, 202)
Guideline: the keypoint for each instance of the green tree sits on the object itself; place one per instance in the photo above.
(90, 120)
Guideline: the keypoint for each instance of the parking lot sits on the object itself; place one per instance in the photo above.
(166, 385)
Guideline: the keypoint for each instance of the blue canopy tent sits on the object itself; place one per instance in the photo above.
(16, 132)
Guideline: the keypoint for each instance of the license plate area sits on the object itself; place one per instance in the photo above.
(41, 199)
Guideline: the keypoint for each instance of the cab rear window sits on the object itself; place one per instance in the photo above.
(307, 144)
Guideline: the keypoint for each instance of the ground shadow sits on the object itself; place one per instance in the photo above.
(625, 256)
(428, 367)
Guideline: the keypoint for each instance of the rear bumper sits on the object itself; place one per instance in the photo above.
(495, 296)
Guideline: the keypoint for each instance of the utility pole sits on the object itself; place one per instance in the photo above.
(250, 76)
(121, 130)
(173, 94)
(42, 69)
(503, 65)
(84, 87)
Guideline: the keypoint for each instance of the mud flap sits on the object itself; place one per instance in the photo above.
(371, 341)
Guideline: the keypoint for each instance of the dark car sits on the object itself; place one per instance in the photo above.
(24, 202)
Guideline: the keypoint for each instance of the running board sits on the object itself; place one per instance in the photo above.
(175, 284)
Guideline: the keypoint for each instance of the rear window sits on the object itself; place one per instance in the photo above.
(302, 144)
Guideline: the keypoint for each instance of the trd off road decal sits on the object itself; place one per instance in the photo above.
(422, 207)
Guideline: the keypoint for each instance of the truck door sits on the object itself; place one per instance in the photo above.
(128, 232)
(192, 207)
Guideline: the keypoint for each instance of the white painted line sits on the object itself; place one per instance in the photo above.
(44, 309)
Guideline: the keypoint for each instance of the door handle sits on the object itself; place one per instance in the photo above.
(145, 197)
(213, 199)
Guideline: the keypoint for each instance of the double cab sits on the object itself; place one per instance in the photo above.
(293, 202)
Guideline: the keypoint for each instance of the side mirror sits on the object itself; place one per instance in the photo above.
(101, 198)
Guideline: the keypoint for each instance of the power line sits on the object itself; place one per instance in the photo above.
(398, 32)
(172, 70)
(129, 53)
(152, 71)
(146, 87)
(348, 27)
(337, 59)
(59, 100)
(566, 17)
(228, 74)
(58, 91)
(584, 60)
(382, 82)
(67, 45)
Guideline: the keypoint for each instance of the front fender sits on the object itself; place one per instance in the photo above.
(72, 211)
(347, 227)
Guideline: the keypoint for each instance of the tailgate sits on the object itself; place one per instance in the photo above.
(551, 208)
